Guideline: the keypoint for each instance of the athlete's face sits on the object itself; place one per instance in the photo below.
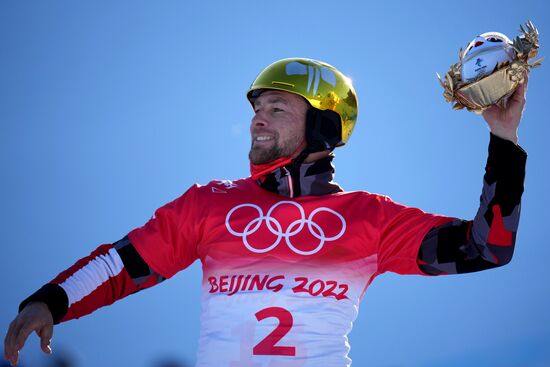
(278, 126)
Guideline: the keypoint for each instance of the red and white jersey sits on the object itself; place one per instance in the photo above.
(282, 278)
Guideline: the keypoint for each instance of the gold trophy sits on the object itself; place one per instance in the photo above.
(490, 69)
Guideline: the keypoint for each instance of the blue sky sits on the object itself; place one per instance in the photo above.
(110, 109)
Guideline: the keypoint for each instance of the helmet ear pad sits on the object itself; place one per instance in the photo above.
(323, 130)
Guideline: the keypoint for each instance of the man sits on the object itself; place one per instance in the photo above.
(286, 253)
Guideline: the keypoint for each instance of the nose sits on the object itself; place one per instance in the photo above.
(258, 120)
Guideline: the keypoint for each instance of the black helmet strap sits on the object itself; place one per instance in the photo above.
(323, 130)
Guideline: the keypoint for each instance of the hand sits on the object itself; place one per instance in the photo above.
(504, 122)
(35, 316)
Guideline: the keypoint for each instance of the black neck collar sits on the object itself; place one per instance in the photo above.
(303, 179)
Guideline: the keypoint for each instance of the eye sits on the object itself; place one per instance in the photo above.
(275, 109)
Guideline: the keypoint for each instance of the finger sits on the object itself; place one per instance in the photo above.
(518, 97)
(45, 335)
(9, 342)
(22, 335)
(15, 358)
(522, 88)
(19, 337)
(525, 84)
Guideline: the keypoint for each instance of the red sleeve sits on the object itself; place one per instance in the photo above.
(166, 244)
(402, 236)
(95, 281)
(168, 241)
(92, 282)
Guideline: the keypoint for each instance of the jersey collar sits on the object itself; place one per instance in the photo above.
(304, 179)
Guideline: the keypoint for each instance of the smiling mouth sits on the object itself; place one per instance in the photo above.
(260, 140)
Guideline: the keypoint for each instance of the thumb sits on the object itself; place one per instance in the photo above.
(519, 94)
(45, 334)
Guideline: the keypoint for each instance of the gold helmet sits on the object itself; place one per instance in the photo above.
(321, 84)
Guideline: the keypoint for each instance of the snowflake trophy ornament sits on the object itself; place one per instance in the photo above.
(490, 69)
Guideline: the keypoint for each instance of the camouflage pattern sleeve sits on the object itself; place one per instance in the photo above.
(488, 241)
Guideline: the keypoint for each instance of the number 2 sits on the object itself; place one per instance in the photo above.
(267, 345)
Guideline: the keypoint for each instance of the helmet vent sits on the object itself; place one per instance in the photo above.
(283, 83)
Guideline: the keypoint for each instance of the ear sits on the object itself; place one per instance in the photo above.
(323, 130)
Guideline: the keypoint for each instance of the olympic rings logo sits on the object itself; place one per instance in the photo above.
(276, 228)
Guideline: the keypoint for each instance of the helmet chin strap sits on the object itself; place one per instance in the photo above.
(260, 171)
(323, 132)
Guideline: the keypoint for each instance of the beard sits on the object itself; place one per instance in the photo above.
(258, 155)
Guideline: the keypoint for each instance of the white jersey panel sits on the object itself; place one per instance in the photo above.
(267, 315)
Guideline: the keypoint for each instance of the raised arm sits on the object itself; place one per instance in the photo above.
(488, 241)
